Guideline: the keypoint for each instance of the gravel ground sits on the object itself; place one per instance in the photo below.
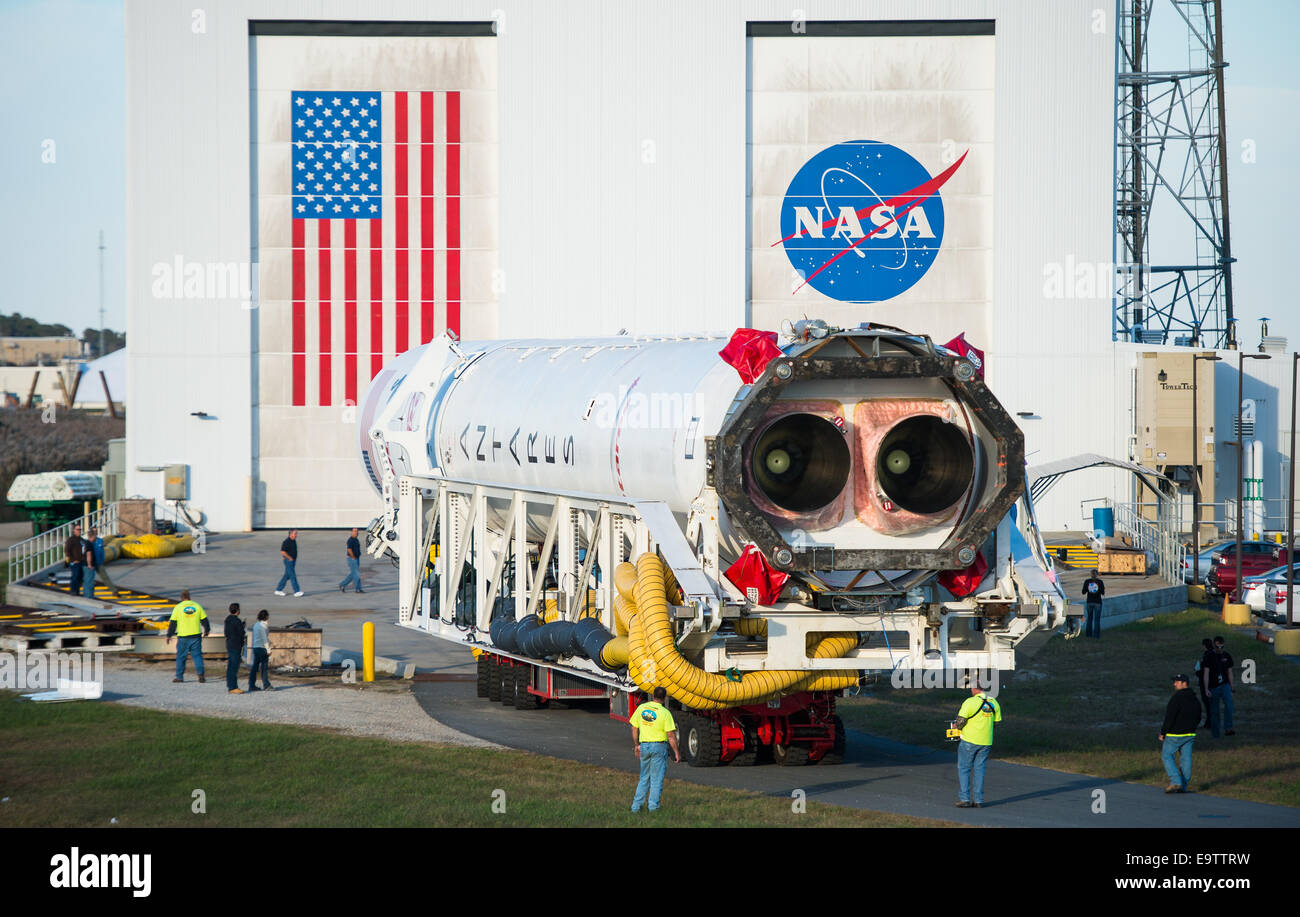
(385, 708)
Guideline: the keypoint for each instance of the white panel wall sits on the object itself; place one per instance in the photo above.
(623, 129)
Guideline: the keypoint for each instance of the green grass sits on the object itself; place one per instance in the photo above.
(76, 765)
(1096, 706)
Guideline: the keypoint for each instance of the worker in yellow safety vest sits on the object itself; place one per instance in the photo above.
(975, 721)
(189, 624)
(653, 731)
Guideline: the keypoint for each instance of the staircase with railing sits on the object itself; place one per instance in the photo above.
(1161, 538)
(44, 552)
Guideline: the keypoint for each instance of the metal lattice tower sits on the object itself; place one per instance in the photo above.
(1171, 159)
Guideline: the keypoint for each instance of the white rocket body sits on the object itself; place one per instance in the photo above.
(628, 418)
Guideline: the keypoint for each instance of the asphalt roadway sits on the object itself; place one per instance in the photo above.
(877, 774)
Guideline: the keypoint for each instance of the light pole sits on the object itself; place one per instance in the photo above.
(1196, 472)
(1290, 498)
(1241, 358)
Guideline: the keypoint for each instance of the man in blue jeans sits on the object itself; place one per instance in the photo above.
(1216, 673)
(189, 625)
(653, 731)
(1093, 591)
(289, 551)
(975, 719)
(354, 563)
(1178, 734)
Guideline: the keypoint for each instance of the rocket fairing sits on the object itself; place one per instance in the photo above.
(854, 450)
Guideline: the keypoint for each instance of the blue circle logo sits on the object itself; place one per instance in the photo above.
(862, 221)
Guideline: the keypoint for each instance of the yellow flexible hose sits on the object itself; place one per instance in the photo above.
(614, 654)
(653, 648)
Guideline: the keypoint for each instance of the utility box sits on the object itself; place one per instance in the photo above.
(176, 482)
(114, 471)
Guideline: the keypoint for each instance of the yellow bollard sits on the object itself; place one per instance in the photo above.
(368, 651)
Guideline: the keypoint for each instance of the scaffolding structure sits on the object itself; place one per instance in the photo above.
(1171, 155)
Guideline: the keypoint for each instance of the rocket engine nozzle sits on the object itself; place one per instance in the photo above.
(925, 465)
(801, 462)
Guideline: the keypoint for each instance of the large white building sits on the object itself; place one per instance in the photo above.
(577, 167)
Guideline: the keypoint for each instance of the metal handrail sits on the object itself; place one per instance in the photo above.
(41, 553)
(1163, 541)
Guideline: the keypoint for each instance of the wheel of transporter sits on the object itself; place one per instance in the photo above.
(508, 684)
(484, 684)
(701, 740)
(753, 750)
(836, 754)
(494, 681)
(523, 678)
(790, 754)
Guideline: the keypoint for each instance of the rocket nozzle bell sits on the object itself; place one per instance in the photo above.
(925, 464)
(801, 462)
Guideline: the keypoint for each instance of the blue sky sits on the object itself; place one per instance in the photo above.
(62, 80)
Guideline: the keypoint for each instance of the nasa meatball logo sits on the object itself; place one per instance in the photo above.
(863, 221)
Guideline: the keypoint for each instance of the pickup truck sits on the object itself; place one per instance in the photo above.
(1256, 557)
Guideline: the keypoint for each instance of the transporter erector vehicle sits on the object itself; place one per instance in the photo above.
(756, 523)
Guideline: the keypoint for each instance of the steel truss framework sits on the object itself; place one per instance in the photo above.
(512, 539)
(1171, 153)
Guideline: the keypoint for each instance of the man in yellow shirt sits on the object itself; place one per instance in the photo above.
(975, 719)
(189, 624)
(653, 731)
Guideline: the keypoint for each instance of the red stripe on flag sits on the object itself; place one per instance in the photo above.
(350, 311)
(400, 220)
(298, 357)
(426, 217)
(323, 254)
(376, 297)
(453, 212)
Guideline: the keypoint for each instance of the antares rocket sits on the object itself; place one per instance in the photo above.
(854, 450)
(802, 512)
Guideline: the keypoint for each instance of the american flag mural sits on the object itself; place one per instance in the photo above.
(376, 203)
(363, 197)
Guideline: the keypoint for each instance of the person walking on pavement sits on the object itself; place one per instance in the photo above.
(975, 720)
(97, 543)
(1178, 734)
(1093, 590)
(261, 653)
(653, 732)
(289, 551)
(1216, 672)
(74, 559)
(1207, 647)
(354, 563)
(189, 625)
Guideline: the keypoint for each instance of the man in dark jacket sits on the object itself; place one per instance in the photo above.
(1178, 734)
(234, 648)
(74, 559)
